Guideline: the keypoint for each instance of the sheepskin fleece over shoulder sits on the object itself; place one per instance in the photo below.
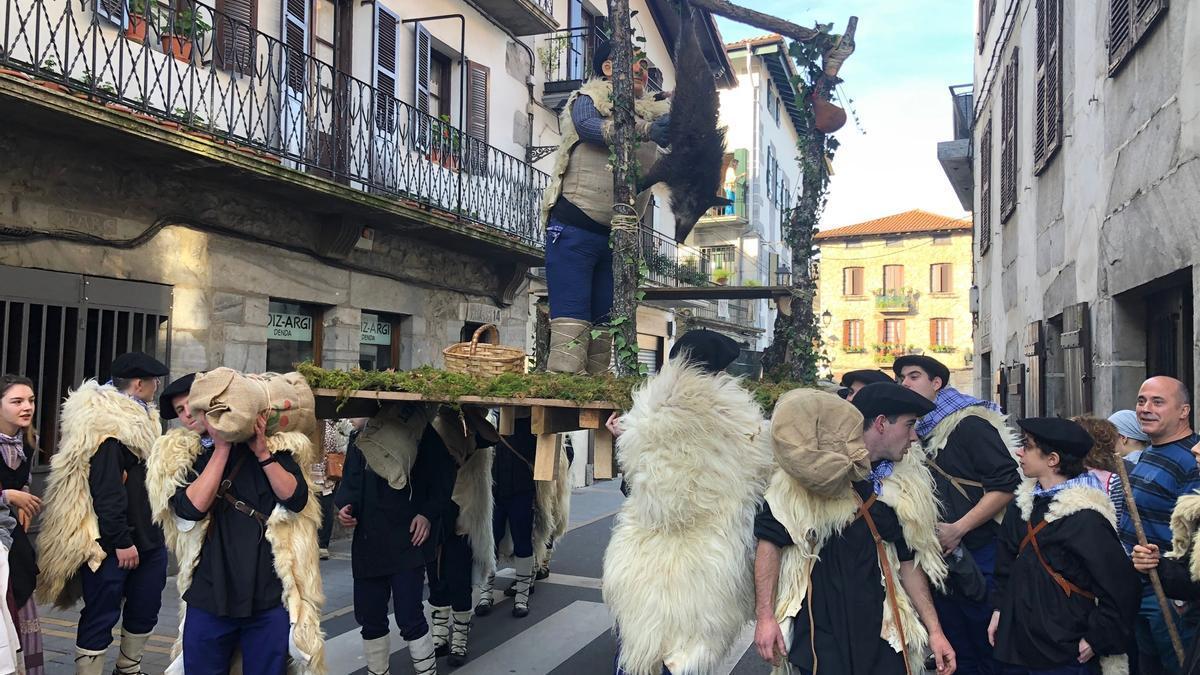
(1066, 502)
(1185, 521)
(811, 520)
(473, 495)
(678, 572)
(70, 533)
(293, 539)
(940, 435)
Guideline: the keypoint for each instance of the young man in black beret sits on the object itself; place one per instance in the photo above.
(1066, 596)
(970, 449)
(848, 562)
(857, 379)
(97, 528)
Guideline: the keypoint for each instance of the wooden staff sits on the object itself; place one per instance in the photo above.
(1155, 582)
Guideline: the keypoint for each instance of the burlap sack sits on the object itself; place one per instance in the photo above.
(818, 439)
(232, 401)
(390, 439)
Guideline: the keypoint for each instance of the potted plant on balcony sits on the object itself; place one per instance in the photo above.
(186, 29)
(721, 276)
(139, 12)
(550, 55)
(447, 143)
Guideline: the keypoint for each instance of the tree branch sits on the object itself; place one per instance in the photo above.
(757, 19)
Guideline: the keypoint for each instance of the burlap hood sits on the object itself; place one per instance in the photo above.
(818, 441)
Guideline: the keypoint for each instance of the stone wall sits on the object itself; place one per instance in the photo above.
(226, 248)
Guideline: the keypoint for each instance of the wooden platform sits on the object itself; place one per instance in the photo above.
(549, 418)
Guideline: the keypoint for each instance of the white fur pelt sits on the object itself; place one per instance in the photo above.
(473, 494)
(293, 539)
(812, 520)
(70, 532)
(678, 572)
(937, 439)
(551, 513)
(1064, 503)
(1185, 521)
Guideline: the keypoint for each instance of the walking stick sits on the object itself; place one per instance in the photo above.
(1155, 582)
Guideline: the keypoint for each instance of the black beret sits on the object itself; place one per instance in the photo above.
(1055, 434)
(132, 365)
(932, 367)
(708, 349)
(603, 53)
(869, 376)
(889, 398)
(179, 387)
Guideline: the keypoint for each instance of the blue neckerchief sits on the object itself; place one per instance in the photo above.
(949, 400)
(145, 406)
(879, 472)
(207, 442)
(1084, 479)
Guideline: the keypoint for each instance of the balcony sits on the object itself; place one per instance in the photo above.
(208, 75)
(672, 265)
(955, 155)
(565, 57)
(733, 214)
(522, 17)
(901, 301)
(736, 312)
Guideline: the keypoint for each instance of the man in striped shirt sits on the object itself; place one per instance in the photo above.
(1166, 471)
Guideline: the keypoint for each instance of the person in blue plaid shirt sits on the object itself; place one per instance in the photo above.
(1166, 471)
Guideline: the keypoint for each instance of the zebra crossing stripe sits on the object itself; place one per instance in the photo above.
(547, 644)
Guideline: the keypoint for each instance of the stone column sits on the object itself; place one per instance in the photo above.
(342, 333)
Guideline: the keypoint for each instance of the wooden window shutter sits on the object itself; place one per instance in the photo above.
(1016, 390)
(421, 65)
(1035, 358)
(386, 73)
(856, 278)
(1076, 340)
(881, 327)
(846, 334)
(236, 31)
(933, 332)
(295, 30)
(985, 188)
(1047, 123)
(478, 84)
(1000, 390)
(1128, 22)
(1008, 141)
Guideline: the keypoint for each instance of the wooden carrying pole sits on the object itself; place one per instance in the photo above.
(1163, 603)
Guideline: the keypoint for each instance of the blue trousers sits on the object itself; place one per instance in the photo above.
(965, 623)
(1154, 651)
(515, 511)
(579, 274)
(1088, 668)
(405, 589)
(110, 592)
(209, 642)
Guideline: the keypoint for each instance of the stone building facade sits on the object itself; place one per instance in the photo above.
(896, 285)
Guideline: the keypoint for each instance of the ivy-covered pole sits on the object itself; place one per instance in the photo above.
(624, 219)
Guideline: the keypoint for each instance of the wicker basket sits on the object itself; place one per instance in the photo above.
(481, 358)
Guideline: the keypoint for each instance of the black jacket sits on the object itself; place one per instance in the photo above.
(382, 542)
(118, 485)
(974, 451)
(512, 468)
(22, 559)
(1178, 585)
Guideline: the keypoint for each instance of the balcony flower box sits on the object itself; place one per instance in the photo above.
(898, 301)
(887, 352)
(854, 350)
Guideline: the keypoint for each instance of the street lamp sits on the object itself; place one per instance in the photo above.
(826, 318)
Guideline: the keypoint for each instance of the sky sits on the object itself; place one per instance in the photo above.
(907, 53)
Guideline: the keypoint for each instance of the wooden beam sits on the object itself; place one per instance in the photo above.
(592, 419)
(757, 19)
(508, 421)
(545, 462)
(487, 401)
(554, 420)
(603, 466)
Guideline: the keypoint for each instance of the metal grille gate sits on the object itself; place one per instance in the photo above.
(60, 329)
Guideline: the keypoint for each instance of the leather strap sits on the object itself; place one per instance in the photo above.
(224, 491)
(957, 482)
(515, 453)
(1031, 538)
(864, 512)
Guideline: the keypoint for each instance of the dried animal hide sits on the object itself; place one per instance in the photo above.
(692, 169)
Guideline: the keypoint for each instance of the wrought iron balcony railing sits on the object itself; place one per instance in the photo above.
(189, 65)
(565, 57)
(899, 301)
(672, 264)
(963, 97)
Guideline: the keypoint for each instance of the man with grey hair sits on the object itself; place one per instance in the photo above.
(1165, 472)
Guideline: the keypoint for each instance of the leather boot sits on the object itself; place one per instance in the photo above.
(600, 353)
(129, 658)
(522, 586)
(484, 606)
(423, 659)
(89, 662)
(569, 340)
(378, 653)
(440, 630)
(458, 638)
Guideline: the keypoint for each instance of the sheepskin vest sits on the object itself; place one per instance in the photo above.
(70, 532)
(293, 539)
(551, 511)
(589, 183)
(678, 572)
(473, 495)
(1072, 500)
(1185, 522)
(937, 439)
(811, 521)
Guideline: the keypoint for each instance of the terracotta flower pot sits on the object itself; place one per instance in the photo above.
(137, 29)
(178, 46)
(827, 117)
